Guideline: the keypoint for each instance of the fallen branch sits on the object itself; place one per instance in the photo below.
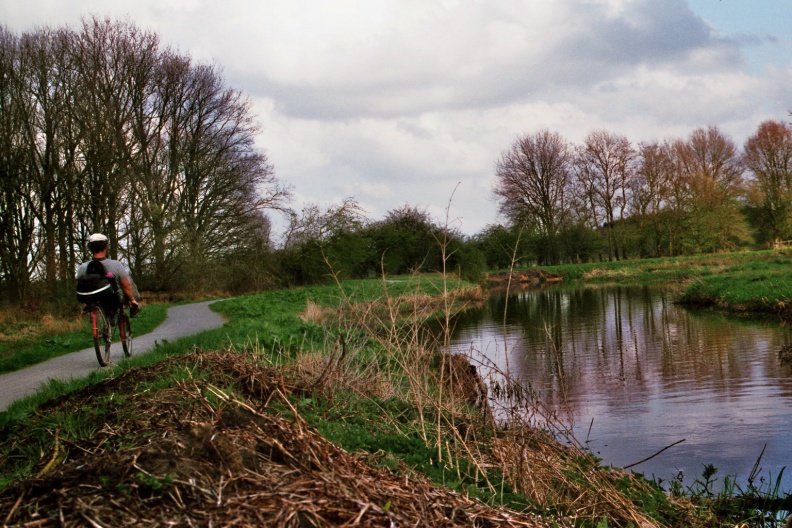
(651, 457)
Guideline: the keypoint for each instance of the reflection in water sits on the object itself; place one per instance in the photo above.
(638, 373)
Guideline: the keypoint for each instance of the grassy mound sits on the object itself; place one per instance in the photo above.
(173, 448)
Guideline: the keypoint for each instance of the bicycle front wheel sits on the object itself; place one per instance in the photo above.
(102, 331)
(125, 333)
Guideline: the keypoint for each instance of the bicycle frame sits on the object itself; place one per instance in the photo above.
(93, 321)
(111, 319)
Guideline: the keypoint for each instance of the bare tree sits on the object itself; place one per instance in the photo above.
(651, 185)
(112, 60)
(18, 254)
(103, 130)
(44, 71)
(604, 168)
(768, 156)
(710, 161)
(316, 225)
(650, 193)
(710, 181)
(170, 156)
(224, 177)
(533, 181)
(152, 220)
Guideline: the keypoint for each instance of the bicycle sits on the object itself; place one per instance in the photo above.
(109, 323)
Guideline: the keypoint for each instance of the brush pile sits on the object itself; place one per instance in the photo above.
(187, 453)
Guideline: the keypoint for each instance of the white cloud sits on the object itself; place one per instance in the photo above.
(411, 101)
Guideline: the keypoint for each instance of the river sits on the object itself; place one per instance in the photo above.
(632, 373)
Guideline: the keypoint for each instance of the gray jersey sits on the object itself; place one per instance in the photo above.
(118, 270)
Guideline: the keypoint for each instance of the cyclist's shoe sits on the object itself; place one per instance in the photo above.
(134, 310)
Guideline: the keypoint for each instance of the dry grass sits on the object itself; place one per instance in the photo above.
(223, 460)
(333, 374)
(603, 273)
(407, 309)
(561, 478)
(314, 313)
(19, 327)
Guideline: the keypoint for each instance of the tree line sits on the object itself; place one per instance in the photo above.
(608, 199)
(602, 200)
(340, 241)
(102, 129)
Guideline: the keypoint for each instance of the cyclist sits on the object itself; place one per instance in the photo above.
(97, 245)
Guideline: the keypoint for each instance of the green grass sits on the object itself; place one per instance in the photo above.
(356, 427)
(272, 321)
(18, 354)
(752, 286)
(648, 270)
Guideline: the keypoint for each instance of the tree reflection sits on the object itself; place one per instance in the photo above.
(645, 370)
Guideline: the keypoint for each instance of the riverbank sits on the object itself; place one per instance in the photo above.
(756, 282)
(323, 405)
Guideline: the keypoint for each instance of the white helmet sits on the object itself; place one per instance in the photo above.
(96, 243)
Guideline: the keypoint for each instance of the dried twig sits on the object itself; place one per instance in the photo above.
(654, 455)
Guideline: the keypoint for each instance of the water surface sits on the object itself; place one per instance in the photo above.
(634, 373)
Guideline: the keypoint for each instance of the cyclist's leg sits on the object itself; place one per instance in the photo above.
(125, 332)
(111, 309)
(102, 333)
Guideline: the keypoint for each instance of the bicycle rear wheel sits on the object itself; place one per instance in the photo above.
(125, 333)
(102, 335)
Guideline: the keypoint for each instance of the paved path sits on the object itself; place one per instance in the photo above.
(182, 321)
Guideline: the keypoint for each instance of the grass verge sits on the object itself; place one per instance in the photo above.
(27, 342)
(756, 282)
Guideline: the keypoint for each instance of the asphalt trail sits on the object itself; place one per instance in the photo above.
(182, 321)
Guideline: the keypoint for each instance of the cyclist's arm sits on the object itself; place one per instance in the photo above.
(126, 285)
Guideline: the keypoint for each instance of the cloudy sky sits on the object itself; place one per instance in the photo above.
(398, 102)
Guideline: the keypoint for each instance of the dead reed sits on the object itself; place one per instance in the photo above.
(20, 327)
(509, 434)
(195, 453)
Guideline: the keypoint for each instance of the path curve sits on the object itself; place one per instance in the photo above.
(181, 321)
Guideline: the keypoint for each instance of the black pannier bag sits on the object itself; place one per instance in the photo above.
(95, 286)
